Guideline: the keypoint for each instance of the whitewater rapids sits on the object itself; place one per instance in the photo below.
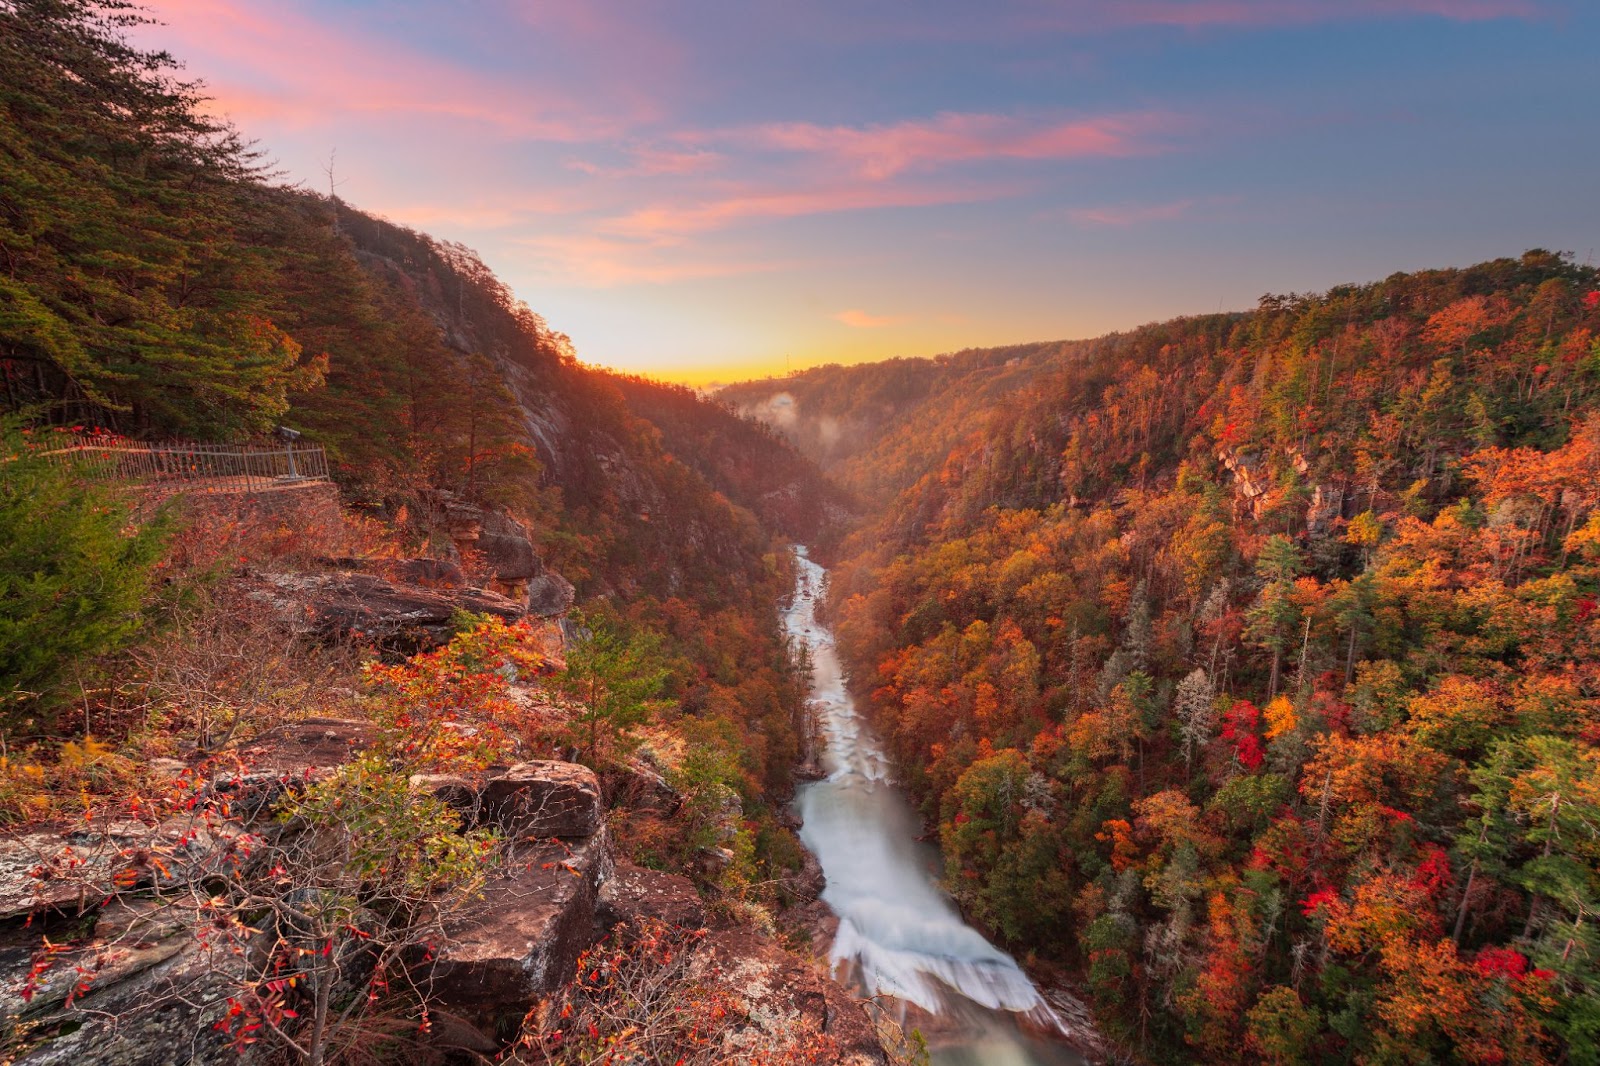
(899, 934)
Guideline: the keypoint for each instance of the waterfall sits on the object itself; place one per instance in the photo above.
(899, 934)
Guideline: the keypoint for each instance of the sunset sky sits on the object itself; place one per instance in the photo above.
(709, 191)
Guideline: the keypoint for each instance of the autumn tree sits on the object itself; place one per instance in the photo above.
(614, 676)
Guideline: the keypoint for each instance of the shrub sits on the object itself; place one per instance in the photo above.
(75, 572)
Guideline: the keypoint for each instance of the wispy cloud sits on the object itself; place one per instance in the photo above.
(597, 261)
(652, 161)
(760, 204)
(882, 151)
(271, 62)
(856, 318)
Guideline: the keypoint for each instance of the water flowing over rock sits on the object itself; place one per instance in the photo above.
(899, 934)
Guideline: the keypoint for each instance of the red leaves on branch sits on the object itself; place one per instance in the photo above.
(1239, 727)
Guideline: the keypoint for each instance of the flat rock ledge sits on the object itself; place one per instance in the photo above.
(634, 894)
(522, 938)
(367, 609)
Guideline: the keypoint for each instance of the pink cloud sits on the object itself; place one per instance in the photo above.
(269, 62)
(1195, 13)
(649, 162)
(677, 219)
(855, 318)
(882, 151)
(601, 262)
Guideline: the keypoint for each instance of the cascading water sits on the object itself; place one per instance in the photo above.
(899, 934)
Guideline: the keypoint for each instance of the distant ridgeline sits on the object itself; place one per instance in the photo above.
(1249, 664)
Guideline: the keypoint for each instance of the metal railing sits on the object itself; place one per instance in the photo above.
(202, 467)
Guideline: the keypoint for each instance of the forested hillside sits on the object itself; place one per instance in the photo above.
(1248, 665)
(876, 427)
(159, 282)
(743, 458)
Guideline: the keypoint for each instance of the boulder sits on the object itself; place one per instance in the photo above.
(781, 993)
(507, 550)
(634, 893)
(542, 799)
(550, 594)
(368, 609)
(522, 937)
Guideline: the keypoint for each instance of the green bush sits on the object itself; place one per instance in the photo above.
(75, 573)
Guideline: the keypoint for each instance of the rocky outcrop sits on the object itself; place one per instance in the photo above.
(1326, 507)
(543, 799)
(288, 756)
(527, 801)
(1075, 1023)
(506, 550)
(144, 976)
(155, 994)
(777, 993)
(1250, 478)
(367, 609)
(550, 594)
(635, 894)
(781, 994)
(72, 870)
(521, 938)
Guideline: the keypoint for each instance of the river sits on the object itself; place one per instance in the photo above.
(899, 934)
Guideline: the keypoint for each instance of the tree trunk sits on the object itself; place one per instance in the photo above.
(1461, 911)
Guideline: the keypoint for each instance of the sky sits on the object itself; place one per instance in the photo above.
(707, 190)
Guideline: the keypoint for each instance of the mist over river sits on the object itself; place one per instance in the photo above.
(899, 934)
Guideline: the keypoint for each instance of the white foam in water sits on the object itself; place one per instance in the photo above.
(897, 930)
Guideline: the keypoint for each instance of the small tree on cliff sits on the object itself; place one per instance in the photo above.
(615, 675)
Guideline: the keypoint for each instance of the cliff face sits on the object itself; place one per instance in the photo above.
(650, 522)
